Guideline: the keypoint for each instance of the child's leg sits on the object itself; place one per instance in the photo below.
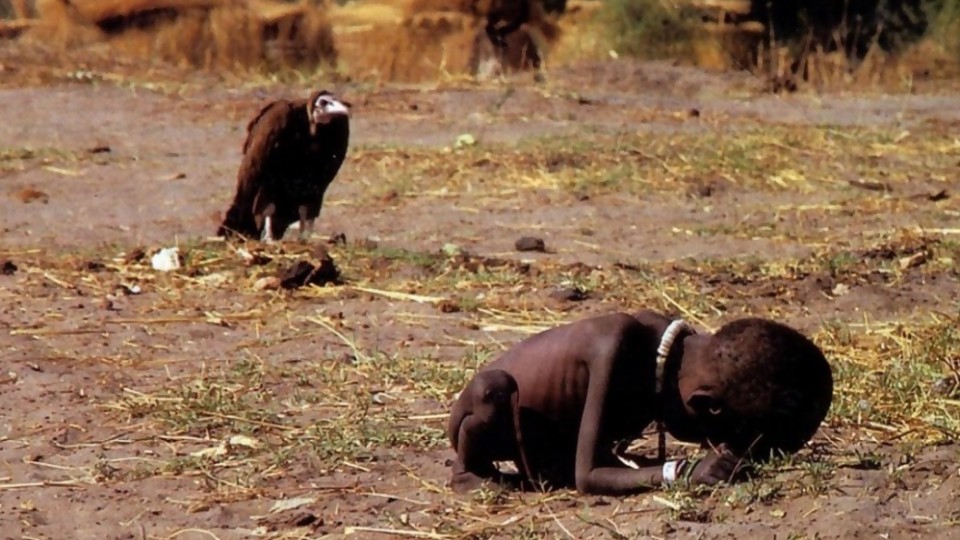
(484, 427)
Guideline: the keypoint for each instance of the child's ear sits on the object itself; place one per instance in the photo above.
(705, 404)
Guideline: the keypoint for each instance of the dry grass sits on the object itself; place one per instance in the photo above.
(582, 35)
(212, 34)
(425, 46)
(826, 71)
(417, 41)
(392, 41)
(770, 159)
(430, 40)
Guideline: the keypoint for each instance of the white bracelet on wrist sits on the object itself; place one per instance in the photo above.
(670, 471)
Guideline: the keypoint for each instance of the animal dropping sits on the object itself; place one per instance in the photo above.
(293, 151)
(303, 273)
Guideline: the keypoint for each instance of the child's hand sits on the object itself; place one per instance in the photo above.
(716, 467)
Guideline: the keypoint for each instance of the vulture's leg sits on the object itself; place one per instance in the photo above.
(267, 235)
(306, 224)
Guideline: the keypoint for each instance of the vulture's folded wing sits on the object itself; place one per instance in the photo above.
(264, 134)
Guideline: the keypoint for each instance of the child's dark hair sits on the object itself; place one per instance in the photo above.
(778, 386)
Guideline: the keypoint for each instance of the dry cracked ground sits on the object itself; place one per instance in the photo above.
(195, 404)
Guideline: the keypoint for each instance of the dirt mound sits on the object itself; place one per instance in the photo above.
(201, 33)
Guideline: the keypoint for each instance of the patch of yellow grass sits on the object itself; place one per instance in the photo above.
(396, 42)
(362, 14)
(581, 35)
(222, 34)
(94, 11)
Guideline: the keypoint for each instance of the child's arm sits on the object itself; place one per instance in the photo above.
(591, 478)
(711, 469)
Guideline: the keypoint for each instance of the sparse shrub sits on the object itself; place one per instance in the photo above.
(648, 28)
(803, 37)
(14, 9)
(944, 17)
(851, 30)
(852, 25)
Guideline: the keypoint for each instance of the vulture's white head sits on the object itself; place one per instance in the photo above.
(323, 108)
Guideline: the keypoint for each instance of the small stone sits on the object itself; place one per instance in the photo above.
(569, 294)
(304, 519)
(8, 268)
(267, 283)
(93, 266)
(368, 244)
(135, 255)
(530, 243)
(465, 140)
(448, 306)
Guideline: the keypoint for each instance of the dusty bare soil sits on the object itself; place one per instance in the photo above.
(202, 407)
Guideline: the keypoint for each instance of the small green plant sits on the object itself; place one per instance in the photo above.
(755, 491)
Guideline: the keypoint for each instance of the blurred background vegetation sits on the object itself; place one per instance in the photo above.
(412, 40)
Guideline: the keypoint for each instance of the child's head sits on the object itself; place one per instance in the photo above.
(757, 385)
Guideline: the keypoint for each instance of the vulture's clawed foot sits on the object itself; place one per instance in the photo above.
(306, 231)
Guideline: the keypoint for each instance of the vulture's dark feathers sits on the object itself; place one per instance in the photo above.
(292, 153)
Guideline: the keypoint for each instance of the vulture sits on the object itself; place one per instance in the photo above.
(292, 153)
